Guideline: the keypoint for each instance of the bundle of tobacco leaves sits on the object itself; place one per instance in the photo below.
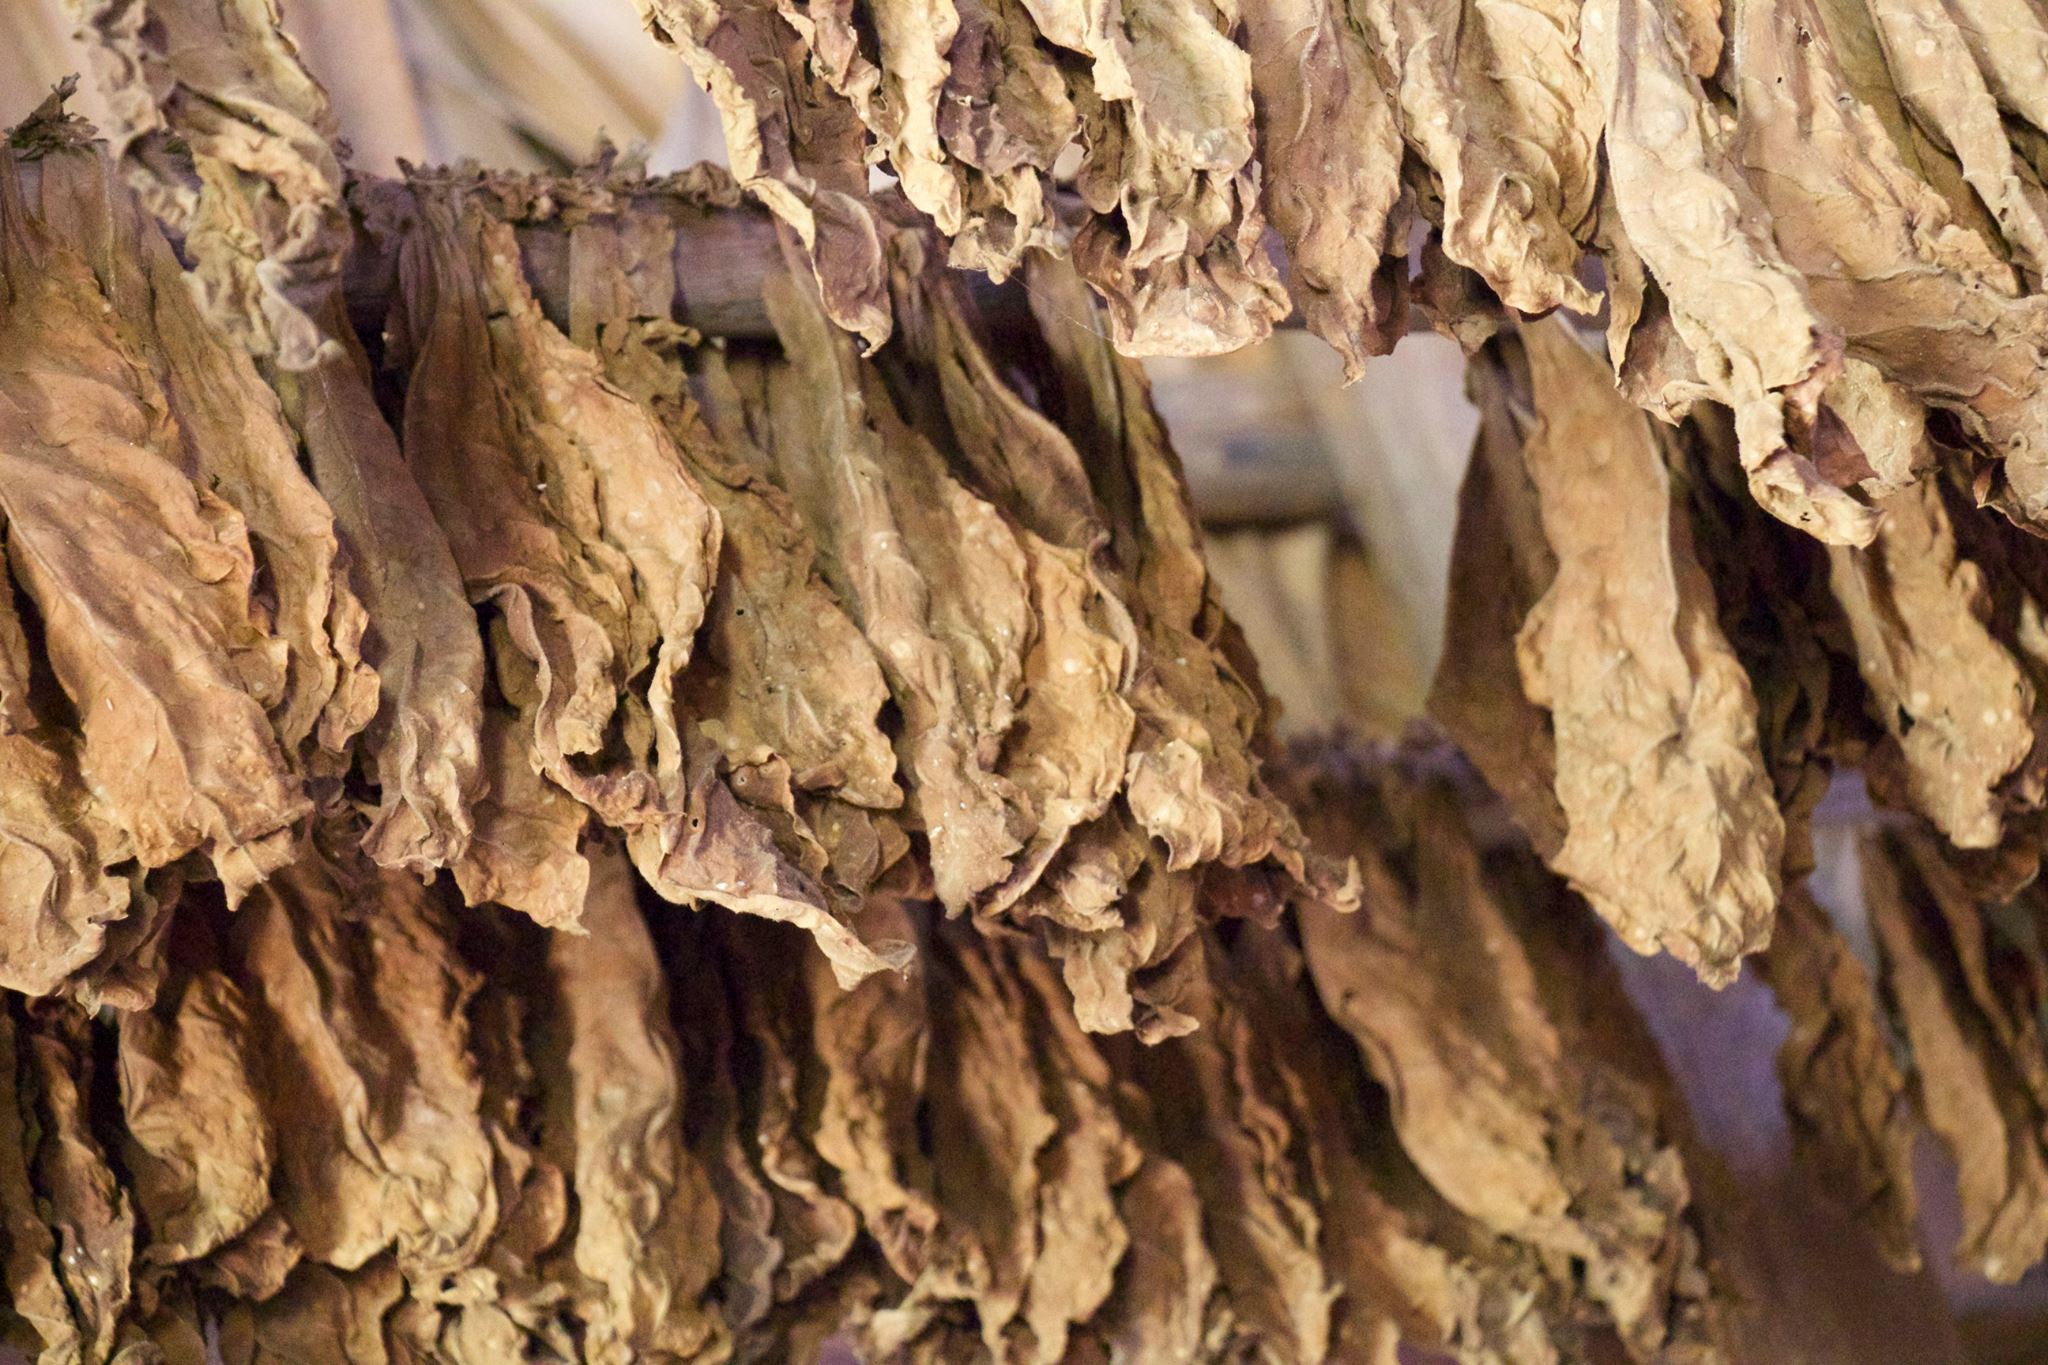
(841, 624)
(408, 738)
(1828, 217)
(362, 1121)
(1662, 683)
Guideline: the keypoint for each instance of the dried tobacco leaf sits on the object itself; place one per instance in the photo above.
(260, 207)
(1005, 115)
(989, 1125)
(129, 563)
(1971, 1083)
(1501, 566)
(1951, 695)
(1929, 303)
(870, 1048)
(714, 1058)
(1223, 1103)
(1673, 830)
(897, 93)
(365, 1070)
(493, 1140)
(421, 748)
(1173, 245)
(785, 684)
(506, 1304)
(1770, 583)
(792, 141)
(812, 1222)
(255, 1265)
(200, 1149)
(547, 480)
(1192, 780)
(233, 441)
(1843, 1087)
(933, 575)
(1067, 752)
(1330, 145)
(1405, 1274)
(58, 888)
(773, 617)
(646, 1221)
(1490, 1079)
(1086, 1162)
(319, 1314)
(544, 478)
(1740, 309)
(1930, 62)
(78, 1193)
(1158, 1312)
(525, 851)
(1497, 102)
(36, 1295)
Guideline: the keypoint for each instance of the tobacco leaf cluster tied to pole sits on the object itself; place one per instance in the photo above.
(1826, 217)
(530, 833)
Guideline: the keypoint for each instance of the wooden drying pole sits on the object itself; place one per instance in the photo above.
(722, 255)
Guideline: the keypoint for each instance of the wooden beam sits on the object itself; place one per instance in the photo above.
(721, 258)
